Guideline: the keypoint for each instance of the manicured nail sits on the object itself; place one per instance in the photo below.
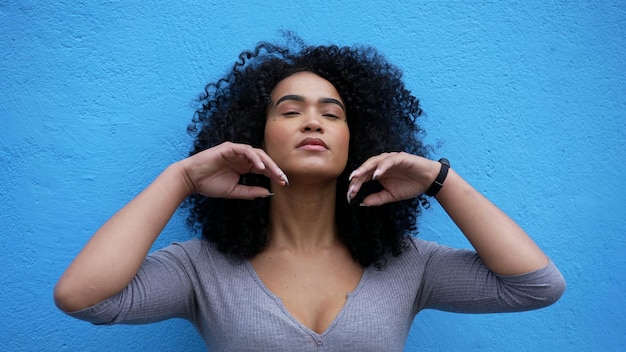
(349, 195)
(362, 205)
(351, 175)
(284, 177)
(375, 175)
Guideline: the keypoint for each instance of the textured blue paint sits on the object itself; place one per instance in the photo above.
(528, 100)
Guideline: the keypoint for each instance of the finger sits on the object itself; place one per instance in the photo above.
(247, 152)
(357, 179)
(272, 170)
(248, 192)
(385, 165)
(378, 198)
(261, 163)
(366, 169)
(364, 173)
(376, 166)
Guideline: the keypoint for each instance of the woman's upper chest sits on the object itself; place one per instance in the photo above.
(238, 311)
(313, 288)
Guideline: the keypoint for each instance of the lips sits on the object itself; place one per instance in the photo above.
(312, 142)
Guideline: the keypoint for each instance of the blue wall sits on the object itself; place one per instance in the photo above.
(527, 99)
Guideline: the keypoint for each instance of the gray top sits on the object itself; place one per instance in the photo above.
(234, 311)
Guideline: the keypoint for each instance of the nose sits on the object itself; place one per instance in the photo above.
(312, 124)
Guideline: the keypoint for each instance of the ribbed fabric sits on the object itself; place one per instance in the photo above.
(234, 311)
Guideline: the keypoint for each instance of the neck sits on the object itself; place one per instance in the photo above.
(302, 217)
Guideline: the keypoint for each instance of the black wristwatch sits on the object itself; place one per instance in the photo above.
(438, 183)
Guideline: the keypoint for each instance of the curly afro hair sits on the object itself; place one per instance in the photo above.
(382, 116)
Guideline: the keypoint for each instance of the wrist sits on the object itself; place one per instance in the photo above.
(438, 183)
(179, 179)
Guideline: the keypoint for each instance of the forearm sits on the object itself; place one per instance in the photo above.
(111, 258)
(504, 247)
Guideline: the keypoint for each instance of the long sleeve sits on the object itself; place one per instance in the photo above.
(162, 289)
(458, 281)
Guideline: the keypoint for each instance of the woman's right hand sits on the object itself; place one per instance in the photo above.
(111, 258)
(215, 172)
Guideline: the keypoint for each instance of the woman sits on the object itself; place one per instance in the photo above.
(306, 178)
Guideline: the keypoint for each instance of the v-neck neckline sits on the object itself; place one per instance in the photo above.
(290, 316)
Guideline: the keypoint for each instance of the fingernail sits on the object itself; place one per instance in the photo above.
(267, 195)
(349, 195)
(284, 177)
(351, 175)
(375, 175)
(362, 205)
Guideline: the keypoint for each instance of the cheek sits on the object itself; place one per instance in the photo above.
(273, 139)
(345, 140)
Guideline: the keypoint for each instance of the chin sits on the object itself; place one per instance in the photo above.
(314, 172)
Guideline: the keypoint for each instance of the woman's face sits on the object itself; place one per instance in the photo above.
(306, 132)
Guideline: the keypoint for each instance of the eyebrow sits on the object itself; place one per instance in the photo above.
(300, 98)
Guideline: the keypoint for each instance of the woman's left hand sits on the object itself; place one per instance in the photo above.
(504, 247)
(402, 175)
